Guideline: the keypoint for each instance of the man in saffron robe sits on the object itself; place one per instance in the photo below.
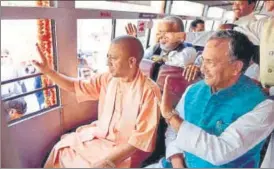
(125, 133)
(203, 130)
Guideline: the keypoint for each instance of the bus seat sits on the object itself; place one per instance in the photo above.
(177, 83)
(176, 88)
(147, 67)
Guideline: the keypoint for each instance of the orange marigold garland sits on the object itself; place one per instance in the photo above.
(45, 41)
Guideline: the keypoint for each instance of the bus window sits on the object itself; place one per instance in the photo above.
(215, 12)
(259, 7)
(134, 6)
(216, 25)
(208, 25)
(27, 105)
(229, 15)
(93, 40)
(24, 91)
(122, 23)
(26, 3)
(152, 39)
(187, 28)
(187, 8)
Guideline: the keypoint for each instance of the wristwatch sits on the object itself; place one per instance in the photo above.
(170, 114)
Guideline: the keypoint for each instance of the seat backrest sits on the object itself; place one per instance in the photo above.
(177, 86)
(147, 67)
(177, 83)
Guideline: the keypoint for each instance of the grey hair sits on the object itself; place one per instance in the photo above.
(240, 47)
(176, 20)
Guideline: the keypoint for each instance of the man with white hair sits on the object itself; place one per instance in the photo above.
(174, 53)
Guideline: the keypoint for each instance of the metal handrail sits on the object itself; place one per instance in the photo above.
(29, 93)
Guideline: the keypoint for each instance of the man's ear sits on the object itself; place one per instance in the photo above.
(132, 62)
(238, 67)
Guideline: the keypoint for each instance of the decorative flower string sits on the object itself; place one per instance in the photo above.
(45, 41)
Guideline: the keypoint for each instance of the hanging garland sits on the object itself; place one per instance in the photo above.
(45, 42)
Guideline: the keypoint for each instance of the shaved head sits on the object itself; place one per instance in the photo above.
(124, 56)
(131, 46)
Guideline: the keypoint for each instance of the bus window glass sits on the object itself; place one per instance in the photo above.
(259, 7)
(216, 25)
(27, 3)
(122, 23)
(187, 8)
(19, 78)
(187, 28)
(26, 106)
(229, 16)
(18, 48)
(215, 12)
(208, 25)
(152, 39)
(93, 40)
(133, 6)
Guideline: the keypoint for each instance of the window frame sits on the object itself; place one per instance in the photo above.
(190, 2)
(28, 93)
(215, 8)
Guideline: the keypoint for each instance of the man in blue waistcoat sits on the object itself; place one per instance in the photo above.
(211, 105)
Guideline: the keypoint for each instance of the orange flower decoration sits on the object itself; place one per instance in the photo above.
(45, 40)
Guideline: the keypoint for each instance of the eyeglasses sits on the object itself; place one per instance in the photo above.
(211, 63)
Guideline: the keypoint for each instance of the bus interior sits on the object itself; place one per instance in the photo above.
(78, 34)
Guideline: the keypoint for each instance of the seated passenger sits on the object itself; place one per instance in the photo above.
(125, 133)
(169, 50)
(197, 128)
(197, 25)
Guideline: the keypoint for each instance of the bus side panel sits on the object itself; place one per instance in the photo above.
(34, 138)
